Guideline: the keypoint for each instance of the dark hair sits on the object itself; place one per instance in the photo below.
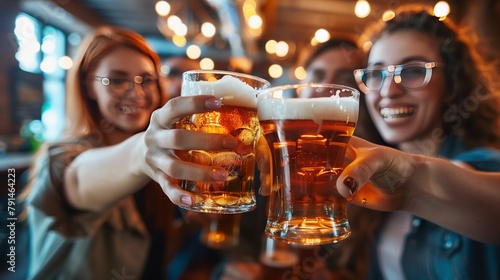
(472, 108)
(365, 128)
(328, 45)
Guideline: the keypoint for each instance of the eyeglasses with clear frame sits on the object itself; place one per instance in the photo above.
(119, 86)
(413, 75)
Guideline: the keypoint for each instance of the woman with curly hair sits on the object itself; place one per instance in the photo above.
(427, 94)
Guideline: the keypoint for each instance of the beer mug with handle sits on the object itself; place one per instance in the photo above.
(237, 117)
(307, 128)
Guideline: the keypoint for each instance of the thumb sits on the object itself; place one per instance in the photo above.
(355, 175)
(352, 178)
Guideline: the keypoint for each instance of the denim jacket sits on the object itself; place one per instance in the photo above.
(433, 252)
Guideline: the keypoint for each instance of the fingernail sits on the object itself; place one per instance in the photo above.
(229, 142)
(351, 184)
(186, 199)
(213, 103)
(219, 174)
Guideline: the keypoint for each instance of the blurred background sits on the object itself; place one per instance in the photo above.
(262, 37)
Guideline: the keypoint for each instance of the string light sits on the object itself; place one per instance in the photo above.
(275, 71)
(300, 73)
(162, 8)
(362, 9)
(441, 9)
(282, 49)
(193, 52)
(322, 35)
(207, 64)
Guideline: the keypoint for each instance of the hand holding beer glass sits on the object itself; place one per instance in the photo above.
(236, 117)
(307, 128)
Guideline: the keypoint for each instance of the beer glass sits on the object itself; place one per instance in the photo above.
(222, 231)
(307, 128)
(237, 117)
(278, 259)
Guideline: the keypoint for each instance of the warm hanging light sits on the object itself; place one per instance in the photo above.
(275, 71)
(193, 52)
(207, 64)
(441, 9)
(300, 73)
(186, 22)
(271, 46)
(282, 49)
(181, 30)
(362, 9)
(388, 15)
(162, 8)
(179, 41)
(314, 41)
(173, 21)
(255, 22)
(208, 29)
(322, 35)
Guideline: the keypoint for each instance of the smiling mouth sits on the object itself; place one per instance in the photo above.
(130, 109)
(395, 113)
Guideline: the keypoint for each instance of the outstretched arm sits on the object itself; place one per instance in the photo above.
(449, 194)
(99, 177)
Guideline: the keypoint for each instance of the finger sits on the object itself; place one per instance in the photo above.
(361, 143)
(264, 165)
(173, 191)
(265, 184)
(178, 107)
(355, 175)
(263, 155)
(179, 169)
(181, 139)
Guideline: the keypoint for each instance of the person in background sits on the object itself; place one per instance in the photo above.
(93, 206)
(334, 62)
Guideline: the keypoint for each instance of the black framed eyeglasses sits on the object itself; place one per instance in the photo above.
(413, 75)
(119, 86)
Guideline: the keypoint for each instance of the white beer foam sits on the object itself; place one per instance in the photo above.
(231, 90)
(316, 109)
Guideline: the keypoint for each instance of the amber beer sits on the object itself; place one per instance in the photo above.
(308, 138)
(222, 231)
(278, 260)
(236, 117)
(280, 265)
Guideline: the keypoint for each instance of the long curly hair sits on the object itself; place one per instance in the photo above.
(472, 107)
(471, 113)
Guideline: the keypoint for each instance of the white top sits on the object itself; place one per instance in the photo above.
(391, 245)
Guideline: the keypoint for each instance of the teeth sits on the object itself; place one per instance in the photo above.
(129, 109)
(394, 113)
